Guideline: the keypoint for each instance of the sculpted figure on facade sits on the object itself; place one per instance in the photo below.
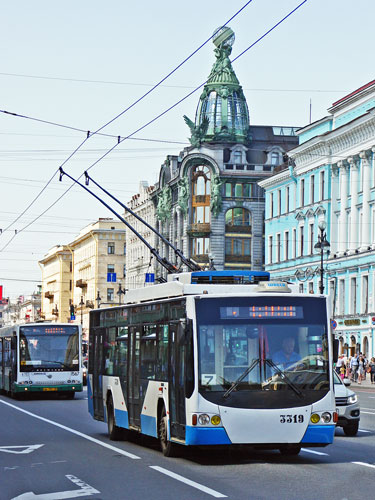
(216, 199)
(164, 206)
(183, 195)
(197, 131)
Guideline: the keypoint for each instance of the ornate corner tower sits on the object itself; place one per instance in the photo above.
(222, 114)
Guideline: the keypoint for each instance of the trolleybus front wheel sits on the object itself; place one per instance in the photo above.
(168, 449)
(290, 449)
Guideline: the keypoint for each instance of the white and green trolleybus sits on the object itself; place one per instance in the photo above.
(40, 357)
(215, 358)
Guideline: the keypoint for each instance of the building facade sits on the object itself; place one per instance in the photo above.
(138, 256)
(56, 269)
(208, 202)
(87, 272)
(330, 177)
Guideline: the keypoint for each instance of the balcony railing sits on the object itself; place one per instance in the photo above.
(199, 228)
(229, 228)
(81, 283)
(49, 295)
(240, 259)
(200, 258)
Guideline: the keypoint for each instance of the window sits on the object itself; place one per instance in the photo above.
(270, 250)
(341, 297)
(322, 185)
(237, 246)
(201, 178)
(237, 217)
(302, 193)
(111, 248)
(278, 247)
(294, 243)
(275, 159)
(201, 214)
(311, 287)
(287, 199)
(200, 246)
(301, 241)
(279, 201)
(228, 189)
(286, 257)
(124, 270)
(364, 294)
(124, 248)
(301, 288)
(312, 189)
(271, 205)
(237, 157)
(311, 239)
(110, 294)
(353, 295)
(110, 268)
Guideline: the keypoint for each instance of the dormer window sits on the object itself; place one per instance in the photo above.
(237, 157)
(275, 158)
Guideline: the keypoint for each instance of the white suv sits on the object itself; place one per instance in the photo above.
(347, 406)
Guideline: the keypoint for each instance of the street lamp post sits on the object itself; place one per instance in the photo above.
(321, 245)
(121, 291)
(82, 303)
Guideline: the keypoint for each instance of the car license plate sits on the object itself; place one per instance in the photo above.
(49, 388)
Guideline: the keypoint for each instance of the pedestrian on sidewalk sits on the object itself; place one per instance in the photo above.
(348, 374)
(361, 369)
(354, 367)
(372, 368)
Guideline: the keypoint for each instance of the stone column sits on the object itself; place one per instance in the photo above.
(365, 162)
(353, 242)
(343, 223)
(333, 237)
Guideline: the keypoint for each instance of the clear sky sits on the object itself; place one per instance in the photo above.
(81, 63)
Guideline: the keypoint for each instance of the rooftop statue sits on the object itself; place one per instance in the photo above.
(197, 131)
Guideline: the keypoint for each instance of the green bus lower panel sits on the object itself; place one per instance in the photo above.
(42, 388)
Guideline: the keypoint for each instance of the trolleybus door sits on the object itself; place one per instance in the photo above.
(97, 369)
(134, 399)
(177, 346)
(1, 366)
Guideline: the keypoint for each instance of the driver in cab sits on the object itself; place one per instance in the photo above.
(287, 356)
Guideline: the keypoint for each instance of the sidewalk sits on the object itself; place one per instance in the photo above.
(364, 385)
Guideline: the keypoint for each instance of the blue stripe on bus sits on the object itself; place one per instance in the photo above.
(206, 435)
(89, 397)
(148, 425)
(122, 420)
(319, 434)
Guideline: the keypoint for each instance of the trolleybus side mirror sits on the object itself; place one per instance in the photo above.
(335, 350)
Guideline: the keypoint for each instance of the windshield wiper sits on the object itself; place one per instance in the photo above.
(241, 377)
(284, 377)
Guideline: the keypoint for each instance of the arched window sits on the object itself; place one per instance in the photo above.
(201, 181)
(238, 217)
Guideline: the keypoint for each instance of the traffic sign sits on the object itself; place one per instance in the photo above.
(111, 277)
(333, 324)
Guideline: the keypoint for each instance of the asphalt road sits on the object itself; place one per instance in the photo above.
(52, 449)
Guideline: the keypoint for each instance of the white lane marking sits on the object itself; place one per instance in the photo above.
(363, 408)
(314, 452)
(368, 412)
(364, 464)
(20, 450)
(85, 490)
(73, 431)
(362, 430)
(198, 486)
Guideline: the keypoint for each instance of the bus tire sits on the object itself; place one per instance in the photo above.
(290, 450)
(114, 432)
(168, 448)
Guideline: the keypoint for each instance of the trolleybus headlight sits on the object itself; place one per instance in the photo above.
(326, 417)
(315, 418)
(203, 419)
(352, 399)
(215, 420)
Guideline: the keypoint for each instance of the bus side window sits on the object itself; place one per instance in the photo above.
(109, 350)
(148, 352)
(162, 357)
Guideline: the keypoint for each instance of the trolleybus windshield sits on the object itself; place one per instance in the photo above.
(49, 348)
(262, 344)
